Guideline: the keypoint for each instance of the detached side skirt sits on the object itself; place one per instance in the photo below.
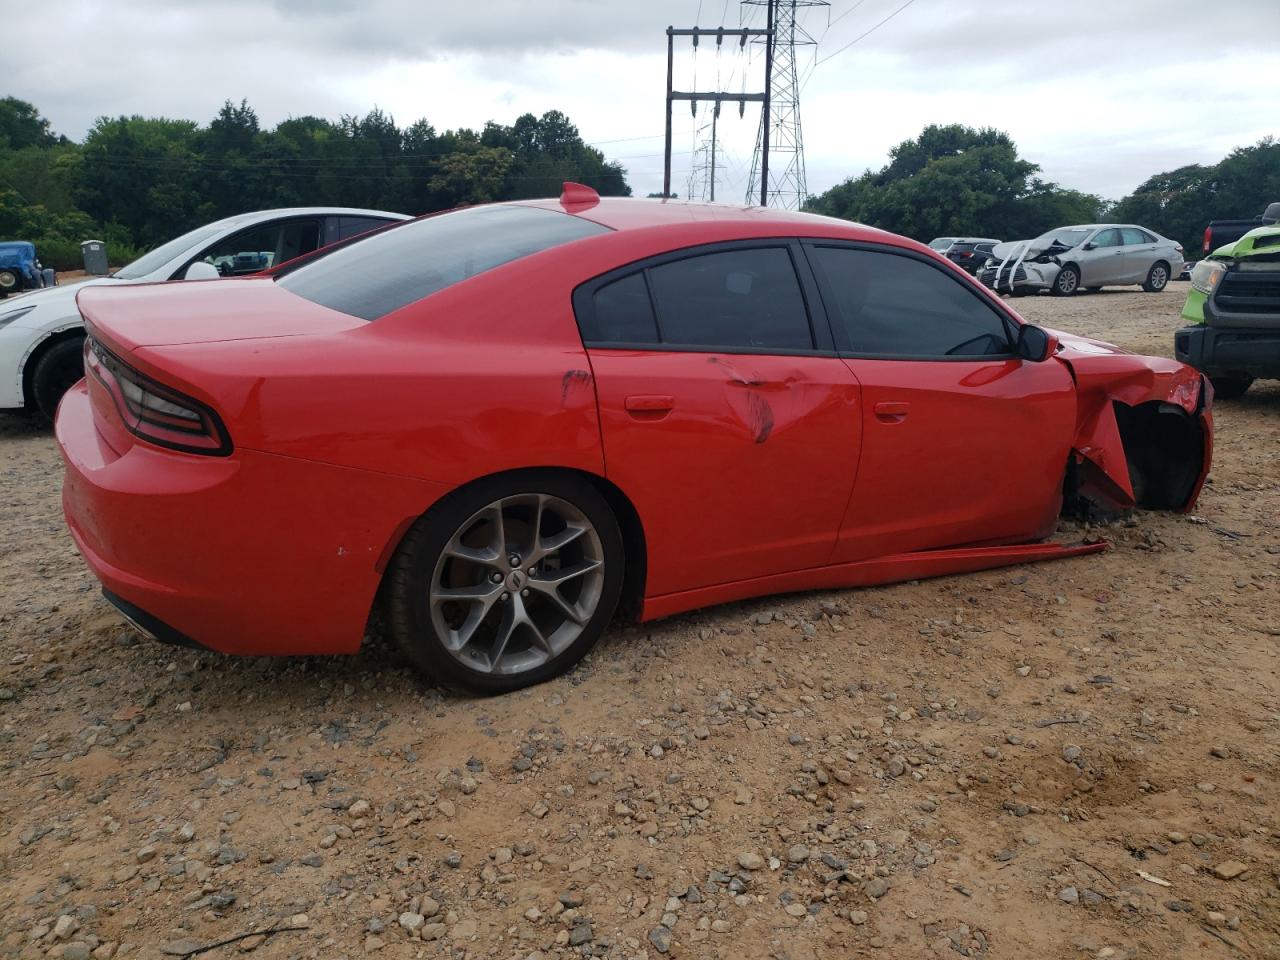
(867, 573)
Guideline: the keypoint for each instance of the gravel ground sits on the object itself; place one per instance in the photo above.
(1076, 759)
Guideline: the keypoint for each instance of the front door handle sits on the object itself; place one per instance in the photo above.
(649, 406)
(892, 411)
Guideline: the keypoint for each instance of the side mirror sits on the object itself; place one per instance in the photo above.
(201, 271)
(1091, 245)
(1035, 344)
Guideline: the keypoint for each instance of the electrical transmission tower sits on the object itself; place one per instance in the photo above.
(702, 176)
(778, 160)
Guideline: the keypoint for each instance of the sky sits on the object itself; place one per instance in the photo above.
(1100, 93)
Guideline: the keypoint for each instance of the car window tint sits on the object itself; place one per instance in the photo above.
(1108, 238)
(354, 226)
(623, 312)
(896, 306)
(1133, 237)
(748, 298)
(415, 259)
(249, 251)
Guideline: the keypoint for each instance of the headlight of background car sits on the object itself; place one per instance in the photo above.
(1206, 275)
(8, 318)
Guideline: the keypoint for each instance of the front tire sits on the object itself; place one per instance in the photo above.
(1157, 277)
(507, 582)
(10, 282)
(1230, 388)
(1067, 282)
(59, 369)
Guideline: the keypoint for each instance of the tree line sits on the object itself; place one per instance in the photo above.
(957, 181)
(136, 181)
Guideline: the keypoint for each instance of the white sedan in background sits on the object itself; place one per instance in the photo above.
(42, 335)
(1091, 256)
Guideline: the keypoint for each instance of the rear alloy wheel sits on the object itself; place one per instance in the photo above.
(1157, 278)
(10, 282)
(1231, 388)
(1067, 282)
(59, 369)
(508, 583)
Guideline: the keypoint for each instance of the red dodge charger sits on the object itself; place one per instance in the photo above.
(504, 424)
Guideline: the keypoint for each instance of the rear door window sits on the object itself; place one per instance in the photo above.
(746, 300)
(262, 247)
(1134, 237)
(624, 312)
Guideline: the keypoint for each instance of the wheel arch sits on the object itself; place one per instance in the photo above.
(1153, 455)
(624, 511)
(32, 359)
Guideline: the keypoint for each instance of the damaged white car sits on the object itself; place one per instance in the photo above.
(1089, 256)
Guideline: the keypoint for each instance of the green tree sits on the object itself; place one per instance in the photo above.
(955, 180)
(139, 180)
(145, 175)
(22, 126)
(1180, 203)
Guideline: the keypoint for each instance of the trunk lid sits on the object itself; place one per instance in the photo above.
(203, 311)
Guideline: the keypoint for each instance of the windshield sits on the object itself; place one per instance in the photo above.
(942, 243)
(1063, 236)
(149, 263)
(387, 270)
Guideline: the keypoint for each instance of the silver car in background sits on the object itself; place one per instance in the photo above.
(1091, 256)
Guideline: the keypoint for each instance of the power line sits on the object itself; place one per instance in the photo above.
(866, 33)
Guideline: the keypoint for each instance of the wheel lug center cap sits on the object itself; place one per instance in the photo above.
(517, 580)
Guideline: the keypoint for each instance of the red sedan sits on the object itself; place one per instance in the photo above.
(505, 423)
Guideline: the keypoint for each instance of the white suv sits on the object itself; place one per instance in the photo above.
(42, 335)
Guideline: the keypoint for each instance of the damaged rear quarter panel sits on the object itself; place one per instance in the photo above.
(1106, 376)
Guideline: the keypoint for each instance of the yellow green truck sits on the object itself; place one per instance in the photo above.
(1233, 313)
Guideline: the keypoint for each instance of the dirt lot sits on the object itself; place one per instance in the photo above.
(1077, 759)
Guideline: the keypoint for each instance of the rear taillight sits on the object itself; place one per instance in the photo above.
(152, 411)
(1208, 238)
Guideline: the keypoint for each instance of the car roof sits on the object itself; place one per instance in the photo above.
(258, 216)
(630, 213)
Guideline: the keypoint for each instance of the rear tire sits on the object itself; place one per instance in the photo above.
(10, 282)
(1230, 388)
(1067, 282)
(467, 630)
(1157, 277)
(59, 369)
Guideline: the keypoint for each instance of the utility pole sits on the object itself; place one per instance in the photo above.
(780, 138)
(763, 155)
(715, 96)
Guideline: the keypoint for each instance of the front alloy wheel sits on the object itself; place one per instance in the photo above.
(519, 583)
(1067, 281)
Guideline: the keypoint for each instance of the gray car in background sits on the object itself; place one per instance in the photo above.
(1091, 256)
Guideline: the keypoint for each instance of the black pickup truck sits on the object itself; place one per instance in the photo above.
(1220, 232)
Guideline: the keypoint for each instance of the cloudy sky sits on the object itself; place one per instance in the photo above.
(1100, 93)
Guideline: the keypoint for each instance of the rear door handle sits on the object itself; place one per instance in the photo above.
(649, 406)
(892, 411)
